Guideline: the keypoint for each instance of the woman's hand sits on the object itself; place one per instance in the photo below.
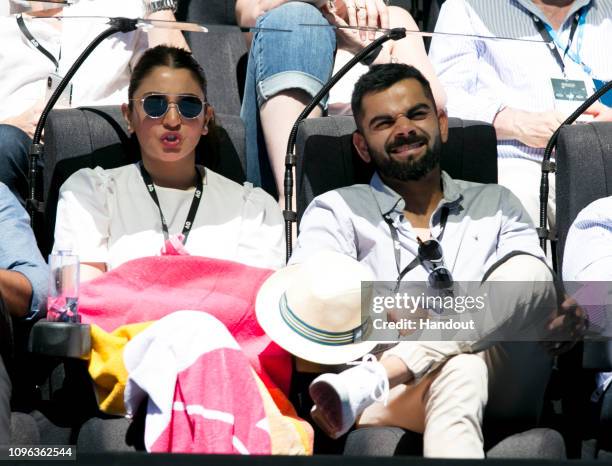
(362, 13)
(27, 120)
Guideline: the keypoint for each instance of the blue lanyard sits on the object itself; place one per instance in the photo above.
(550, 35)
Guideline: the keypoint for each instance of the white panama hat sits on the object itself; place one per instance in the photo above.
(313, 309)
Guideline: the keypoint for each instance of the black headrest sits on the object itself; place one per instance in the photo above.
(327, 159)
(207, 12)
(222, 53)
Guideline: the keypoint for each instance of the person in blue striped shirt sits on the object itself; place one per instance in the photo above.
(521, 86)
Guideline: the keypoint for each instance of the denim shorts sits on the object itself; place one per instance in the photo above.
(278, 61)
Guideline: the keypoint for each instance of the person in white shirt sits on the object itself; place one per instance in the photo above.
(518, 85)
(166, 203)
(102, 80)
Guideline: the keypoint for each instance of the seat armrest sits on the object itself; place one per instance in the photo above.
(61, 339)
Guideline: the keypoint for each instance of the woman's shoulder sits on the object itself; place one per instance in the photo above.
(245, 191)
(97, 178)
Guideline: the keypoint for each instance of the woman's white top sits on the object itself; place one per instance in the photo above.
(108, 216)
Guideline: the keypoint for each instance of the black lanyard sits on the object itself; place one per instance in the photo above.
(26, 32)
(197, 195)
(552, 46)
(397, 246)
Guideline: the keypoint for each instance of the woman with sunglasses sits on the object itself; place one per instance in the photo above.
(201, 338)
(166, 203)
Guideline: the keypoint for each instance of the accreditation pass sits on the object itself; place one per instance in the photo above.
(37, 452)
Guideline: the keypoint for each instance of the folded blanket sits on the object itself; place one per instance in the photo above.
(131, 298)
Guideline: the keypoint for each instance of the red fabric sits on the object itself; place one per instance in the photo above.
(150, 288)
(214, 417)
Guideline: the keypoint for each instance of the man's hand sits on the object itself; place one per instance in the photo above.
(533, 129)
(600, 112)
(567, 325)
(363, 13)
(27, 120)
(396, 315)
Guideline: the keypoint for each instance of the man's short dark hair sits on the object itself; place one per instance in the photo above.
(382, 77)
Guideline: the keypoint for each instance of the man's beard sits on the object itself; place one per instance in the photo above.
(406, 170)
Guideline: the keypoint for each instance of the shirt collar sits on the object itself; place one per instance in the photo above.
(390, 201)
(532, 8)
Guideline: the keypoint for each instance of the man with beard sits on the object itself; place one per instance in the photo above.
(478, 232)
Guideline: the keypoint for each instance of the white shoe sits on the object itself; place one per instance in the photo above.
(339, 399)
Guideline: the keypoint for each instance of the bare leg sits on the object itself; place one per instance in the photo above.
(278, 114)
(397, 371)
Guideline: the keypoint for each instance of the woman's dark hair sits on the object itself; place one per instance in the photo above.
(179, 59)
(172, 57)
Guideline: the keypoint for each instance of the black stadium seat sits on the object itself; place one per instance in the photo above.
(207, 12)
(328, 160)
(584, 174)
(222, 52)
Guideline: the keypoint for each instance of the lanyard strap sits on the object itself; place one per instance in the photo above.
(195, 203)
(550, 36)
(397, 247)
(26, 32)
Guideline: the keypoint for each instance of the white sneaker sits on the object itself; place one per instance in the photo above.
(339, 399)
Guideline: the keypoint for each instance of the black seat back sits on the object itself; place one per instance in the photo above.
(327, 159)
(222, 51)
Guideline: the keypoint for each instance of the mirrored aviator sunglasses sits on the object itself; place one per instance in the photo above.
(157, 105)
(431, 256)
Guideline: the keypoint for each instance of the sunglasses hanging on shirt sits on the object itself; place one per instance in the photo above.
(429, 255)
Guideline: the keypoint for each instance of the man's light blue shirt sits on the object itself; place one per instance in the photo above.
(18, 249)
(485, 224)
